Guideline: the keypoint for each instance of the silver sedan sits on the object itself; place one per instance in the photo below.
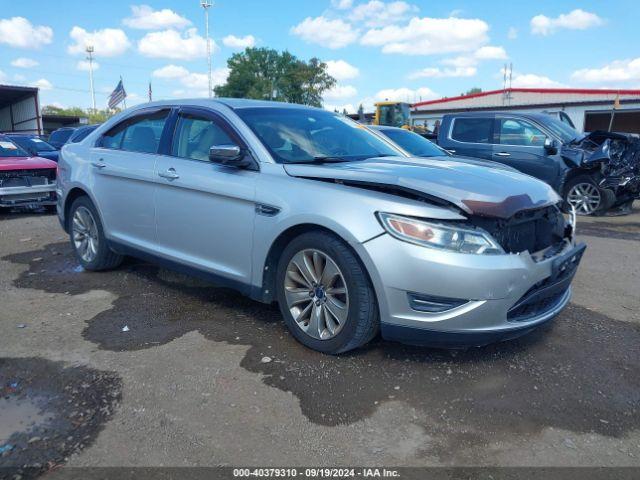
(306, 208)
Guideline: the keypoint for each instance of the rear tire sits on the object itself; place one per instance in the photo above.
(585, 196)
(87, 237)
(346, 284)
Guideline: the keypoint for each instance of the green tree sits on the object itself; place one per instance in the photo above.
(266, 74)
(471, 91)
(98, 116)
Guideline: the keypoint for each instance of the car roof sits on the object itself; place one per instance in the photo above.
(487, 113)
(233, 103)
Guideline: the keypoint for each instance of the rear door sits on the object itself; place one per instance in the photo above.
(520, 144)
(123, 167)
(471, 136)
(205, 211)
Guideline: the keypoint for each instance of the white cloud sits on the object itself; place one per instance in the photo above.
(340, 92)
(577, 19)
(405, 94)
(490, 52)
(42, 84)
(436, 72)
(144, 17)
(325, 32)
(614, 72)
(530, 80)
(427, 36)
(193, 84)
(23, 62)
(340, 108)
(239, 43)
(341, 70)
(172, 44)
(21, 33)
(463, 65)
(83, 65)
(108, 42)
(512, 34)
(376, 13)
(342, 4)
(3, 77)
(170, 71)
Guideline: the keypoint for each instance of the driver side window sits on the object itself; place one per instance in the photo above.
(195, 135)
(520, 132)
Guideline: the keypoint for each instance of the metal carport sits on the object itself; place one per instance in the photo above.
(20, 109)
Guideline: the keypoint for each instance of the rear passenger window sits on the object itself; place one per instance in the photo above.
(472, 130)
(138, 134)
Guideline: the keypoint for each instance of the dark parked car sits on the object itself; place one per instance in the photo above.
(60, 136)
(592, 172)
(81, 133)
(415, 145)
(34, 145)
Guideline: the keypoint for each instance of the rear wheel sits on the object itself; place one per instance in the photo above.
(325, 295)
(87, 237)
(584, 195)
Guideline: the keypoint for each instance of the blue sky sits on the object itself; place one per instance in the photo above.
(401, 50)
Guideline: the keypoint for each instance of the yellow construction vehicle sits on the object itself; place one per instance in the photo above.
(398, 114)
(392, 114)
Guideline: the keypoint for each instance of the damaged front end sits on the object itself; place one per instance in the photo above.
(616, 157)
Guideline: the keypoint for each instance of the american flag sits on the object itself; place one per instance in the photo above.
(117, 96)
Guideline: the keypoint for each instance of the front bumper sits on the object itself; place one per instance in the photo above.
(503, 296)
(34, 195)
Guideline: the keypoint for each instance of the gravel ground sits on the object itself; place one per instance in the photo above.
(203, 376)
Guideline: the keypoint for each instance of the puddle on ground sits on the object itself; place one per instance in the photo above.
(21, 415)
(580, 373)
(50, 410)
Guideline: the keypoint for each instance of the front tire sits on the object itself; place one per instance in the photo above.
(325, 295)
(584, 195)
(87, 237)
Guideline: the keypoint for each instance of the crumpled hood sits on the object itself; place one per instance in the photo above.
(475, 189)
(25, 163)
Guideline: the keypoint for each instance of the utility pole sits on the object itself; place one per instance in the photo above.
(89, 51)
(205, 4)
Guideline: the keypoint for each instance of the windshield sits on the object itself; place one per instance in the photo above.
(413, 143)
(10, 149)
(296, 135)
(561, 129)
(33, 144)
(82, 133)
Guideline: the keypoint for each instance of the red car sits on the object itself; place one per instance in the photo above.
(25, 180)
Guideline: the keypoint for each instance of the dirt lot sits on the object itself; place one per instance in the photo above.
(189, 382)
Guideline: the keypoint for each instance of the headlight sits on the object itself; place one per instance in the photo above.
(440, 236)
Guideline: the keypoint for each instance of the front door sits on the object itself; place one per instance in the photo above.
(205, 211)
(520, 144)
(123, 164)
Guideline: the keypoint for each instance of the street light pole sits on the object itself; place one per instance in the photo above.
(205, 4)
(89, 51)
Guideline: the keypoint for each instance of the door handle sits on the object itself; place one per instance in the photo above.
(99, 164)
(502, 154)
(169, 174)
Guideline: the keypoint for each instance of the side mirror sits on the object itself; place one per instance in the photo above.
(229, 155)
(550, 146)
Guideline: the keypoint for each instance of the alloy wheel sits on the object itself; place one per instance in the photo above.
(85, 234)
(316, 294)
(585, 198)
